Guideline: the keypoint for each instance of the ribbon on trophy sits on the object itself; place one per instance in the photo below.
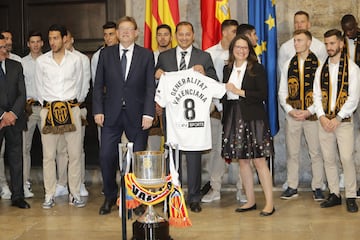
(136, 195)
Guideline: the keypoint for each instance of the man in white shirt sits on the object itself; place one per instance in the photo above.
(336, 96)
(295, 97)
(216, 164)
(33, 107)
(58, 78)
(62, 166)
(287, 50)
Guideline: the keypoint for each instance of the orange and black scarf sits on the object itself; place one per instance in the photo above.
(301, 88)
(342, 86)
(357, 48)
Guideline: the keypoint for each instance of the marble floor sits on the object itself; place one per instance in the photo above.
(300, 218)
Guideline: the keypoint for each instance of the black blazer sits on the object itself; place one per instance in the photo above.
(253, 105)
(167, 61)
(137, 91)
(13, 93)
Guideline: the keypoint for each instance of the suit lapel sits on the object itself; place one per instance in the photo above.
(133, 63)
(116, 58)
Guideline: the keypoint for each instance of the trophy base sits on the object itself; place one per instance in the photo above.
(151, 231)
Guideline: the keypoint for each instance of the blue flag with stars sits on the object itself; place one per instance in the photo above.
(262, 16)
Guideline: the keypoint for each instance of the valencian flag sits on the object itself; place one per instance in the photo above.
(262, 16)
(159, 12)
(213, 13)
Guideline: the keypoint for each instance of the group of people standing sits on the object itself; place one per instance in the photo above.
(225, 90)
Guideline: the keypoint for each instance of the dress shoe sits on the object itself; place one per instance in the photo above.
(265, 214)
(195, 207)
(106, 207)
(351, 205)
(332, 201)
(20, 203)
(253, 207)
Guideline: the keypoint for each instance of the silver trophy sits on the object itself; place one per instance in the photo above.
(149, 170)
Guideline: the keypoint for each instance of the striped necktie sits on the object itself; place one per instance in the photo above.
(182, 61)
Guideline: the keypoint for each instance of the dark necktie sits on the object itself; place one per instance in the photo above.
(2, 74)
(182, 61)
(123, 62)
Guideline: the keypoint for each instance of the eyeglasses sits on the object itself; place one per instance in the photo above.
(241, 48)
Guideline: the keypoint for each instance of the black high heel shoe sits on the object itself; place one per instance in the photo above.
(266, 214)
(253, 207)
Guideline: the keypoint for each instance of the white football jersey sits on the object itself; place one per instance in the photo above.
(186, 96)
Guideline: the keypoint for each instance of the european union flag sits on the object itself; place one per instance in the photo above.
(262, 16)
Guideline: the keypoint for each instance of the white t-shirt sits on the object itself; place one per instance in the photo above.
(187, 96)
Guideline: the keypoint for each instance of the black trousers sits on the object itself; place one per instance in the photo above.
(14, 153)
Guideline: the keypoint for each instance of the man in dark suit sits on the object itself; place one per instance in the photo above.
(123, 101)
(12, 120)
(184, 56)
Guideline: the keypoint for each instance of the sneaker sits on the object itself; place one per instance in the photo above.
(351, 205)
(76, 201)
(318, 195)
(341, 181)
(240, 196)
(83, 191)
(48, 203)
(211, 196)
(289, 193)
(27, 184)
(358, 193)
(61, 190)
(332, 201)
(27, 192)
(5, 192)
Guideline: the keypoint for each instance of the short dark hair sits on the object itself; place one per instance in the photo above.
(244, 29)
(303, 31)
(184, 23)
(34, 33)
(228, 22)
(60, 28)
(334, 32)
(163, 26)
(5, 31)
(347, 19)
(301, 12)
(109, 25)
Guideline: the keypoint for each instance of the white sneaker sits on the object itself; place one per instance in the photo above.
(211, 196)
(83, 191)
(27, 192)
(27, 184)
(240, 196)
(76, 201)
(5, 192)
(61, 190)
(48, 203)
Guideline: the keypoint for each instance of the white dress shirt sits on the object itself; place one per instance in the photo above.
(86, 75)
(15, 57)
(283, 92)
(29, 63)
(354, 90)
(351, 47)
(236, 78)
(94, 63)
(58, 82)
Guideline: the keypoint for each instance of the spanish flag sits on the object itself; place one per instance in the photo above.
(213, 13)
(159, 12)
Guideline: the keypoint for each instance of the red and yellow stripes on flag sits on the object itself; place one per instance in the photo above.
(159, 12)
(213, 13)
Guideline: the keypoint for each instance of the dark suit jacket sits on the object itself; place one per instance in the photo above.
(167, 61)
(12, 92)
(252, 106)
(137, 91)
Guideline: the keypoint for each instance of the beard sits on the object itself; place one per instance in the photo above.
(334, 53)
